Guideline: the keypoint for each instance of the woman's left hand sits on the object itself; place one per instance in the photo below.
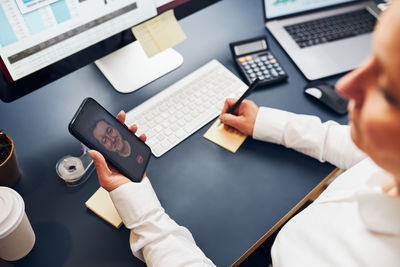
(109, 177)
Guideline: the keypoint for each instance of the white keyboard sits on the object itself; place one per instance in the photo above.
(183, 108)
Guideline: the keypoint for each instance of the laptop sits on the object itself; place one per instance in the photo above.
(323, 37)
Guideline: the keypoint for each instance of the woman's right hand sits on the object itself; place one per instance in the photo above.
(242, 119)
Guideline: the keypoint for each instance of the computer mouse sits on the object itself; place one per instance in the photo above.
(325, 93)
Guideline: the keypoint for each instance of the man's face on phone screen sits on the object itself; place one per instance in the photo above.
(108, 136)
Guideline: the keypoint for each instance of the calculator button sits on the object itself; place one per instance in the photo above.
(249, 71)
(241, 59)
(270, 57)
(257, 60)
(276, 65)
(247, 67)
(261, 77)
(272, 61)
(274, 73)
(281, 73)
(263, 67)
(248, 58)
(269, 66)
(259, 73)
(263, 58)
(256, 69)
(260, 64)
(252, 75)
(266, 72)
(253, 65)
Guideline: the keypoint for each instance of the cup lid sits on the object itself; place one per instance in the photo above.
(11, 210)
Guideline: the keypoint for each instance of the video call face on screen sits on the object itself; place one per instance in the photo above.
(99, 130)
(110, 138)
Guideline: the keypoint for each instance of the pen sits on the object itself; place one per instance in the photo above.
(243, 97)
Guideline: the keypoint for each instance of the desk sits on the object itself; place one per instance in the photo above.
(227, 200)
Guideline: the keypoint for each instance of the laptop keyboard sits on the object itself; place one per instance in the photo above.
(332, 28)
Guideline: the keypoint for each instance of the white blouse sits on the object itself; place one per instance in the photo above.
(352, 223)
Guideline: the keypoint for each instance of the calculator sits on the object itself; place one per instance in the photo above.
(254, 60)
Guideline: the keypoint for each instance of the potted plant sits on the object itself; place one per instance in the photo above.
(9, 170)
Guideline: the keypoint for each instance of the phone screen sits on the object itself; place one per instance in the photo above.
(99, 130)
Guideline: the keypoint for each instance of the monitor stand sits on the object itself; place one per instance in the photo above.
(129, 68)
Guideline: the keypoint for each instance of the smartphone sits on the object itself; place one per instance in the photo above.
(95, 127)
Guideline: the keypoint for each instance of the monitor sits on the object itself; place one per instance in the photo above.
(43, 40)
(279, 8)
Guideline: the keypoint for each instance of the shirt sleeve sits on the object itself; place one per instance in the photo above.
(155, 238)
(328, 141)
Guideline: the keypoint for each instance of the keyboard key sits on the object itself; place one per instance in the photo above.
(172, 139)
(167, 131)
(165, 124)
(180, 133)
(165, 144)
(157, 129)
(157, 149)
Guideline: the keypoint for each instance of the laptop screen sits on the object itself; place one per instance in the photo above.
(278, 8)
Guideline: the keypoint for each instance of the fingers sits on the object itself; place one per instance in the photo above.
(121, 116)
(100, 163)
(134, 129)
(229, 128)
(143, 137)
(228, 103)
(230, 120)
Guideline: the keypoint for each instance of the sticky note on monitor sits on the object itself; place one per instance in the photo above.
(159, 33)
(101, 204)
(228, 140)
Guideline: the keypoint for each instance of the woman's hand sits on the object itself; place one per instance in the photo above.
(110, 178)
(243, 118)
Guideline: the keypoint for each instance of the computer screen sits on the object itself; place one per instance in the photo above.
(43, 40)
(279, 8)
(35, 33)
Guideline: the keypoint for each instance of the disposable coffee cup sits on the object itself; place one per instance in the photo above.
(16, 234)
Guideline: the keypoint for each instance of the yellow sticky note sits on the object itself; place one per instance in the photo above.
(159, 33)
(101, 204)
(228, 140)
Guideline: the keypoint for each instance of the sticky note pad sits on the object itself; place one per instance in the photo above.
(101, 204)
(159, 33)
(228, 140)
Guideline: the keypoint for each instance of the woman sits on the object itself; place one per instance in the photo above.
(355, 221)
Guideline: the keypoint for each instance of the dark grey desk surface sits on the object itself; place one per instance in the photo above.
(227, 200)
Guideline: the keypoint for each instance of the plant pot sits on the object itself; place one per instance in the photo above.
(9, 169)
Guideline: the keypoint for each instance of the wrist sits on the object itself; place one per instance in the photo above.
(111, 186)
(253, 123)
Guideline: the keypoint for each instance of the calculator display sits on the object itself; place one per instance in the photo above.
(254, 60)
(250, 47)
